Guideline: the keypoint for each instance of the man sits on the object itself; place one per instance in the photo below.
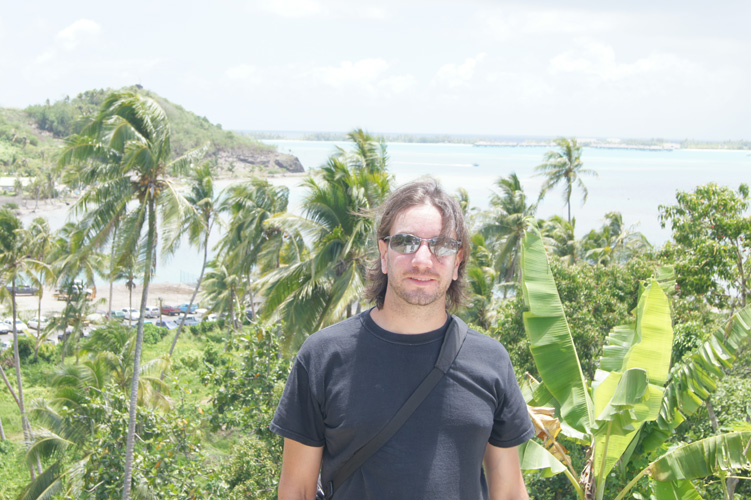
(350, 378)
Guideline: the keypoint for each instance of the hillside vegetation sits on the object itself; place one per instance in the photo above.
(30, 139)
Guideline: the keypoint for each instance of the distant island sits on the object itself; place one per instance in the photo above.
(654, 144)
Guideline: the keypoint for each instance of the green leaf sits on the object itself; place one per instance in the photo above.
(550, 339)
(704, 458)
(623, 402)
(534, 457)
(654, 332)
(617, 347)
(693, 380)
(675, 490)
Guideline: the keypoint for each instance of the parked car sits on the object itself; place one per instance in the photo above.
(35, 325)
(23, 289)
(151, 312)
(117, 315)
(167, 323)
(191, 321)
(4, 327)
(184, 307)
(170, 310)
(20, 325)
(131, 313)
(73, 290)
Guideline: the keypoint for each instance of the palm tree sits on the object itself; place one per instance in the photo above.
(70, 422)
(16, 263)
(481, 277)
(250, 244)
(72, 258)
(564, 167)
(198, 225)
(40, 245)
(560, 238)
(614, 243)
(223, 290)
(124, 156)
(326, 284)
(503, 226)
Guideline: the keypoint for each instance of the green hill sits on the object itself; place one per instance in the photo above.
(31, 139)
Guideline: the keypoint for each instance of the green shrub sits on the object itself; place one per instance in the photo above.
(190, 362)
(25, 347)
(47, 352)
(153, 334)
(253, 471)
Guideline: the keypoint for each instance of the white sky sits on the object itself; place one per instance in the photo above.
(639, 69)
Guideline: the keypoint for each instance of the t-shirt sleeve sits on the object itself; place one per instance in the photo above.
(298, 415)
(511, 423)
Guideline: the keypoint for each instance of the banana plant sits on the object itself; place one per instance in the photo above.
(635, 397)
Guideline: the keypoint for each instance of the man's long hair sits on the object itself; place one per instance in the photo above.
(420, 192)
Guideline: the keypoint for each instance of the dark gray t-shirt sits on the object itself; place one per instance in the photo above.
(349, 379)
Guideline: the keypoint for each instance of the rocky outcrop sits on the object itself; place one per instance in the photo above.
(268, 161)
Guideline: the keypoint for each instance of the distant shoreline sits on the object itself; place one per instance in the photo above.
(635, 146)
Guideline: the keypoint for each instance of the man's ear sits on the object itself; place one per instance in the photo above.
(383, 248)
(458, 262)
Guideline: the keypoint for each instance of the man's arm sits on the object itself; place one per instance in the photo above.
(503, 473)
(301, 465)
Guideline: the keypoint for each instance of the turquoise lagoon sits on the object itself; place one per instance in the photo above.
(632, 182)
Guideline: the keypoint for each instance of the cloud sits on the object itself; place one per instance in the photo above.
(509, 22)
(454, 76)
(364, 72)
(245, 72)
(598, 62)
(80, 31)
(336, 9)
(398, 84)
(291, 8)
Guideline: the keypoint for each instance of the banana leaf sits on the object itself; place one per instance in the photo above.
(534, 457)
(623, 402)
(704, 458)
(550, 339)
(693, 380)
(675, 490)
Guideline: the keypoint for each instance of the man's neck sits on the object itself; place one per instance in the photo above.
(411, 319)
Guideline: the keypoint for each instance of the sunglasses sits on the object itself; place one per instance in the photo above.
(441, 246)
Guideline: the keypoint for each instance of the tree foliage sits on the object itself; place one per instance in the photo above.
(712, 243)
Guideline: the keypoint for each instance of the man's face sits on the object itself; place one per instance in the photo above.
(419, 278)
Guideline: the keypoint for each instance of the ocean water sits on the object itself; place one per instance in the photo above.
(632, 182)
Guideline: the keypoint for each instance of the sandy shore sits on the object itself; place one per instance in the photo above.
(170, 294)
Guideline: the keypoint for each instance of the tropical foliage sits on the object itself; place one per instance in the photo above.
(633, 386)
(326, 284)
(565, 167)
(629, 375)
(712, 243)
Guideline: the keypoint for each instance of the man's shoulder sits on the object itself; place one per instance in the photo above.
(336, 336)
(482, 343)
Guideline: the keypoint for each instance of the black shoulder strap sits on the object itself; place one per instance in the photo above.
(452, 342)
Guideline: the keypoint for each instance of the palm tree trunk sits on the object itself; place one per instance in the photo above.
(2, 431)
(193, 298)
(112, 272)
(28, 436)
(131, 437)
(39, 323)
(10, 387)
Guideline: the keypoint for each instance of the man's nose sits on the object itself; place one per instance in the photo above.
(423, 256)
